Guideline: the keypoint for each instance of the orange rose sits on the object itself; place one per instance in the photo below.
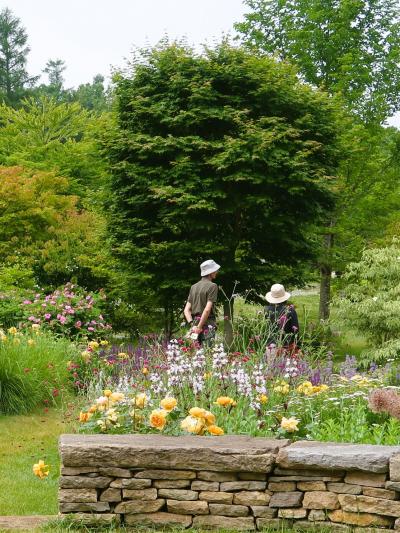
(215, 430)
(224, 401)
(158, 419)
(168, 403)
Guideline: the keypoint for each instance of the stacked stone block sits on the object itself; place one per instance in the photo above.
(205, 483)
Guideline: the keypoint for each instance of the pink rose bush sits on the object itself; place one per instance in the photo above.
(69, 311)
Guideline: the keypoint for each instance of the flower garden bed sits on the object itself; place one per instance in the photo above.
(233, 482)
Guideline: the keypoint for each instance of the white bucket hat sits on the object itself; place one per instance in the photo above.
(208, 267)
(277, 294)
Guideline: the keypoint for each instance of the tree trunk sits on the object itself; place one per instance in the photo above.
(325, 283)
(228, 318)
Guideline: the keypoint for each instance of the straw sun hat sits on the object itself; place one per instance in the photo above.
(277, 294)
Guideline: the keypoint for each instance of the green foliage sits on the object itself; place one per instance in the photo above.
(33, 370)
(46, 135)
(225, 155)
(369, 300)
(348, 47)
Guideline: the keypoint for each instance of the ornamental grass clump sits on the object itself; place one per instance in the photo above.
(32, 369)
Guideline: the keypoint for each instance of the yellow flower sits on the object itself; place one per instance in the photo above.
(198, 412)
(215, 430)
(168, 403)
(31, 342)
(3, 338)
(193, 424)
(145, 371)
(86, 356)
(209, 418)
(263, 398)
(122, 355)
(84, 417)
(12, 331)
(92, 409)
(283, 388)
(224, 401)
(112, 415)
(207, 375)
(140, 400)
(305, 388)
(107, 393)
(117, 397)
(320, 388)
(158, 418)
(289, 424)
(16, 341)
(40, 469)
(104, 343)
(94, 345)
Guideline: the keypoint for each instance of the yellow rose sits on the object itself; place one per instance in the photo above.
(31, 342)
(145, 371)
(112, 415)
(290, 424)
(209, 418)
(107, 393)
(305, 387)
(117, 397)
(3, 338)
(122, 355)
(283, 389)
(168, 403)
(198, 412)
(12, 331)
(224, 401)
(140, 400)
(193, 424)
(92, 409)
(158, 419)
(40, 469)
(215, 430)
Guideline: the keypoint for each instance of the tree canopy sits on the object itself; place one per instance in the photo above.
(222, 155)
(347, 47)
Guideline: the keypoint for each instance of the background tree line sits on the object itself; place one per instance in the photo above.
(270, 156)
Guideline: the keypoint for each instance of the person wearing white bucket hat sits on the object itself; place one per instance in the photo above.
(282, 317)
(200, 306)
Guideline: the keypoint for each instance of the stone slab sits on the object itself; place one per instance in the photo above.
(77, 495)
(98, 507)
(164, 520)
(228, 510)
(189, 508)
(83, 482)
(365, 504)
(225, 522)
(344, 488)
(286, 499)
(263, 511)
(359, 519)
(336, 456)
(232, 453)
(139, 506)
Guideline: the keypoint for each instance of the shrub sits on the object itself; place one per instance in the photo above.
(33, 369)
(69, 311)
(370, 300)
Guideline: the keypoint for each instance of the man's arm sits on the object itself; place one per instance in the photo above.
(188, 312)
(204, 317)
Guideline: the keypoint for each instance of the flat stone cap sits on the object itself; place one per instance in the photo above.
(336, 456)
(236, 453)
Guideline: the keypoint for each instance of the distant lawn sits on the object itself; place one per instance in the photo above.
(23, 441)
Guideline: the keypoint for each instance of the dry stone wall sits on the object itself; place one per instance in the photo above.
(231, 482)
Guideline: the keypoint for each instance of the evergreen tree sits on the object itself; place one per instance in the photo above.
(14, 78)
(54, 70)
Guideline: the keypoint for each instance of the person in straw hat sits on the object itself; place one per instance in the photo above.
(282, 317)
(200, 306)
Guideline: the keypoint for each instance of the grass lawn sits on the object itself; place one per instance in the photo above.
(25, 439)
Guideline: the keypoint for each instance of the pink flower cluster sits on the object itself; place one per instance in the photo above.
(69, 310)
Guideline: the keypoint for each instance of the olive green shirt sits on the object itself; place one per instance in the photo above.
(200, 293)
